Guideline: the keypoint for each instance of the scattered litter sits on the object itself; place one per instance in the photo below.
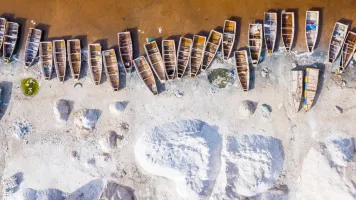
(339, 109)
(78, 84)
(10, 185)
(30, 86)
(22, 128)
(84, 121)
(117, 108)
(61, 110)
(266, 110)
(124, 126)
(160, 30)
(179, 94)
(264, 72)
(33, 22)
(247, 108)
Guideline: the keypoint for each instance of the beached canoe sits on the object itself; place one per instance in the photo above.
(111, 68)
(243, 70)
(183, 55)
(287, 29)
(211, 48)
(60, 59)
(46, 59)
(270, 30)
(145, 73)
(296, 88)
(348, 50)
(336, 41)
(2, 30)
(311, 85)
(125, 50)
(32, 45)
(10, 39)
(196, 56)
(155, 59)
(229, 33)
(169, 58)
(95, 62)
(311, 29)
(255, 42)
(74, 57)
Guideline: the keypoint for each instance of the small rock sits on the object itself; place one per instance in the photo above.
(74, 154)
(280, 106)
(10, 185)
(109, 141)
(124, 126)
(339, 109)
(343, 83)
(294, 65)
(160, 30)
(116, 108)
(264, 72)
(22, 128)
(179, 94)
(61, 110)
(266, 111)
(85, 121)
(91, 161)
(246, 108)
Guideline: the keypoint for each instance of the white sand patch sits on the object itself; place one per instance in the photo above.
(253, 164)
(321, 181)
(339, 150)
(187, 152)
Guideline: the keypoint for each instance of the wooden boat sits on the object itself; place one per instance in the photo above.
(229, 33)
(32, 45)
(125, 50)
(296, 88)
(255, 42)
(311, 29)
(311, 85)
(60, 59)
(155, 59)
(183, 55)
(196, 56)
(287, 29)
(211, 47)
(74, 57)
(169, 58)
(270, 30)
(10, 39)
(95, 62)
(46, 59)
(336, 41)
(145, 73)
(111, 68)
(243, 70)
(348, 50)
(2, 30)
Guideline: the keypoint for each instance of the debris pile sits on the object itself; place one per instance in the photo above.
(266, 110)
(109, 141)
(10, 185)
(22, 128)
(85, 121)
(117, 108)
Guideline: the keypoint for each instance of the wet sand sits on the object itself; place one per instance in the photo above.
(99, 21)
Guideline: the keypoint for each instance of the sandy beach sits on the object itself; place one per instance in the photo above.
(193, 140)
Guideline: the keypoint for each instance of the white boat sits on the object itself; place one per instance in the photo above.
(243, 69)
(155, 59)
(111, 68)
(95, 62)
(60, 59)
(183, 55)
(255, 42)
(229, 33)
(126, 51)
(145, 73)
(74, 57)
(336, 41)
(196, 56)
(46, 59)
(169, 58)
(311, 86)
(32, 45)
(10, 39)
(287, 29)
(348, 50)
(311, 29)
(211, 48)
(270, 30)
(2, 30)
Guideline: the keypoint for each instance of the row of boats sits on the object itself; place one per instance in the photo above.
(198, 52)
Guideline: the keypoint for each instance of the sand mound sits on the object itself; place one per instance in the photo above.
(320, 180)
(61, 110)
(339, 150)
(187, 152)
(253, 164)
(85, 121)
(31, 194)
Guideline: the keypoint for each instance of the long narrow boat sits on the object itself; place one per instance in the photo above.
(211, 47)
(46, 58)
(196, 56)
(311, 85)
(348, 50)
(32, 44)
(125, 50)
(336, 41)
(145, 73)
(243, 70)
(60, 59)
(2, 30)
(169, 58)
(311, 29)
(296, 88)
(74, 57)
(287, 29)
(270, 31)
(155, 59)
(111, 68)
(255, 42)
(10, 39)
(95, 62)
(183, 55)
(229, 33)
